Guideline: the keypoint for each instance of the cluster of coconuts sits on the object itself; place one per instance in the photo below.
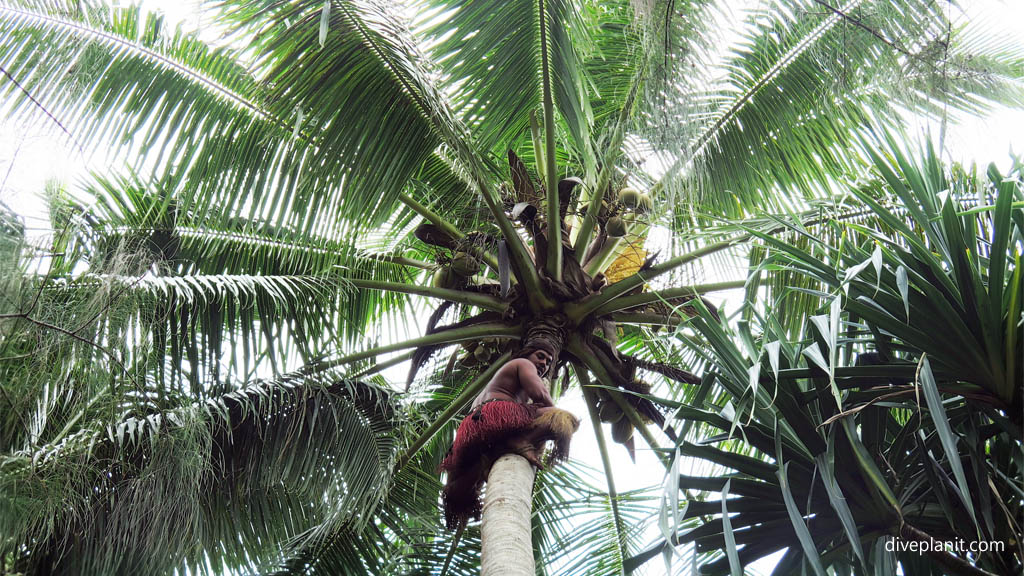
(631, 199)
(610, 412)
(463, 265)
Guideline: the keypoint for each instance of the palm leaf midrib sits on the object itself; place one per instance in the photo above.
(198, 77)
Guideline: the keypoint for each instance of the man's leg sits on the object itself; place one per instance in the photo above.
(527, 447)
(550, 424)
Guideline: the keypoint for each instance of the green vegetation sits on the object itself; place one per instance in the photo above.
(190, 373)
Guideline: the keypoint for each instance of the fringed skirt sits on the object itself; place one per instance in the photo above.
(489, 425)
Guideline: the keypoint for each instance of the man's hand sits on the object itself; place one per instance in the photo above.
(534, 386)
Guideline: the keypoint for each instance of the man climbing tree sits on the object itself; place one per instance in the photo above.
(513, 414)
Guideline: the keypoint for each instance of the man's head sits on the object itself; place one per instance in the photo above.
(540, 354)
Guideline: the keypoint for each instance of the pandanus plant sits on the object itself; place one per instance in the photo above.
(888, 420)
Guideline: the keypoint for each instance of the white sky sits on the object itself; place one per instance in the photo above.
(30, 154)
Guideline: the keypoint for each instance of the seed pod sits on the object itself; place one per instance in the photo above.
(630, 197)
(609, 412)
(465, 265)
(622, 431)
(615, 227)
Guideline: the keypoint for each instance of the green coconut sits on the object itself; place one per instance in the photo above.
(465, 265)
(445, 277)
(615, 227)
(482, 354)
(630, 197)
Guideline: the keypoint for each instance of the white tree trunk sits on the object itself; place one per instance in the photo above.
(506, 544)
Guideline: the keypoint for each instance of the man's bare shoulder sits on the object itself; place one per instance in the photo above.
(517, 363)
(515, 369)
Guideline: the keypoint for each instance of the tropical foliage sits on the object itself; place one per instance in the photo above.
(895, 410)
(191, 370)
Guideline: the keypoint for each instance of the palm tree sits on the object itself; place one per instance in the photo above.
(197, 371)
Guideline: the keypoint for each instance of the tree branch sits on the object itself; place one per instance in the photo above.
(857, 22)
(72, 334)
(384, 365)
(479, 331)
(39, 105)
(462, 297)
(448, 228)
(665, 295)
(614, 150)
(554, 219)
(522, 263)
(579, 311)
(602, 446)
(677, 374)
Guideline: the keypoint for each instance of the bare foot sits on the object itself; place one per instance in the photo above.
(531, 457)
(528, 451)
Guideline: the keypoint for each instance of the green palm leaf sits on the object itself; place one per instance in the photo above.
(171, 480)
(780, 99)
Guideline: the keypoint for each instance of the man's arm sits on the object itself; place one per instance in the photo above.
(532, 384)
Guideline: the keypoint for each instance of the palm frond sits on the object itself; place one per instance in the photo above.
(491, 55)
(226, 136)
(210, 484)
(782, 121)
(822, 440)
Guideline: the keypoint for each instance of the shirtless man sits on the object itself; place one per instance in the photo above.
(520, 380)
(513, 414)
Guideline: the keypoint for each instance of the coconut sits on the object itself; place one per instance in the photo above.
(465, 265)
(609, 412)
(445, 278)
(622, 431)
(645, 204)
(615, 227)
(482, 354)
(630, 197)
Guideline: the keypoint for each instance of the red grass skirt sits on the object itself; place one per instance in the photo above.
(487, 426)
(490, 425)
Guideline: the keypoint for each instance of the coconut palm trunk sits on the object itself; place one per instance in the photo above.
(506, 546)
